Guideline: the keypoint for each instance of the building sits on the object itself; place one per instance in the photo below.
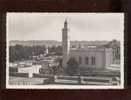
(20, 70)
(29, 69)
(115, 45)
(87, 57)
(96, 58)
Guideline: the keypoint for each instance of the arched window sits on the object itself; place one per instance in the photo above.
(93, 60)
(86, 60)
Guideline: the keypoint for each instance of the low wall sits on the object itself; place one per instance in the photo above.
(42, 76)
(18, 74)
(68, 77)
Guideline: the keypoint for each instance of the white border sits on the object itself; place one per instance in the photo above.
(65, 86)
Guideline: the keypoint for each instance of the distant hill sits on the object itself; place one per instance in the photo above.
(55, 43)
(35, 42)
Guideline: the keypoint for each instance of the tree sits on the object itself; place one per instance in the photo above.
(72, 66)
(56, 49)
(56, 69)
(53, 70)
(19, 52)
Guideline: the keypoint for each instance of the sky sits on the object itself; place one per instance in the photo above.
(48, 26)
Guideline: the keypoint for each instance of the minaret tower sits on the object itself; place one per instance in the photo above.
(65, 44)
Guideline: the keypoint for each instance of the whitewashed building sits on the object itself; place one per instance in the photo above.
(29, 69)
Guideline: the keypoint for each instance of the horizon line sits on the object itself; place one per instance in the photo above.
(61, 41)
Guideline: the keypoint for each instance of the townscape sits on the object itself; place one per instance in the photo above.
(84, 63)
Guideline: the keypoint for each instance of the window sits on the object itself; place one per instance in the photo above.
(86, 60)
(93, 60)
(80, 60)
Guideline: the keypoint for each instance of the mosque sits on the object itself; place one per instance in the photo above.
(87, 57)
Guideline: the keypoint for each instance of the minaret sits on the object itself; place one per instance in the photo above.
(47, 51)
(65, 44)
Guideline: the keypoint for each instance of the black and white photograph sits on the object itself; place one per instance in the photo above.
(64, 50)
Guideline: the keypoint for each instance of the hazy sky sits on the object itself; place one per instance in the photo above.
(48, 26)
